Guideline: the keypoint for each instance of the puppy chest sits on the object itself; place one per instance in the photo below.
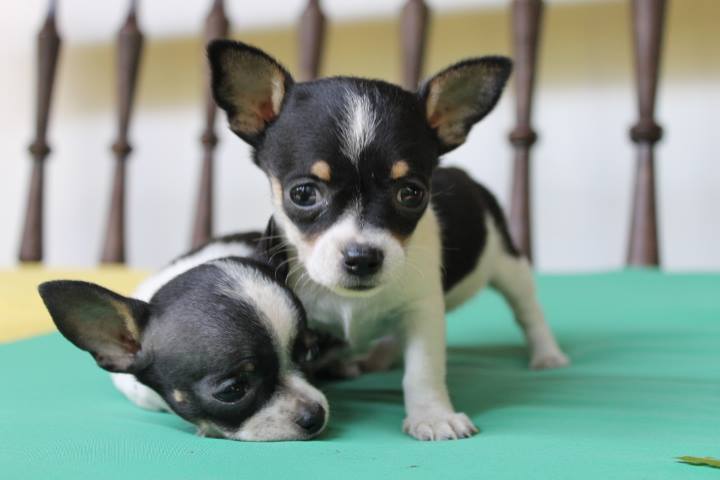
(359, 323)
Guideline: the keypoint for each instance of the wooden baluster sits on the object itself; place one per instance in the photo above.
(413, 30)
(129, 49)
(648, 20)
(216, 26)
(311, 35)
(526, 19)
(48, 49)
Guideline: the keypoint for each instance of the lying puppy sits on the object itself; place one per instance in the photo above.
(353, 164)
(214, 336)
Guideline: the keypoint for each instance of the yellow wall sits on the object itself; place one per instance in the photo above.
(581, 43)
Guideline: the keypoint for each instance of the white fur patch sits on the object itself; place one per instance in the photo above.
(149, 287)
(357, 128)
(277, 310)
(138, 393)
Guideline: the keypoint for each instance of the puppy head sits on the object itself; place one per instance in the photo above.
(350, 160)
(220, 343)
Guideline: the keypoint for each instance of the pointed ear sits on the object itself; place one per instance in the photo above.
(272, 251)
(97, 320)
(462, 94)
(249, 85)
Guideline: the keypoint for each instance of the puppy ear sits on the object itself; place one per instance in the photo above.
(462, 94)
(272, 251)
(98, 321)
(249, 85)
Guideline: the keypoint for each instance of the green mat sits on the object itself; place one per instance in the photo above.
(643, 389)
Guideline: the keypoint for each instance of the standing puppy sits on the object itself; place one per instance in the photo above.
(353, 164)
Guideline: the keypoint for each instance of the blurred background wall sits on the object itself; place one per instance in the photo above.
(585, 103)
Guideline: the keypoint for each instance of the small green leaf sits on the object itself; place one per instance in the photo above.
(706, 461)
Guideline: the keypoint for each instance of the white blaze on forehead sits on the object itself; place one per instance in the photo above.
(270, 300)
(357, 127)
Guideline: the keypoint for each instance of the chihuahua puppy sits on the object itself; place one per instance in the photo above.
(212, 337)
(379, 241)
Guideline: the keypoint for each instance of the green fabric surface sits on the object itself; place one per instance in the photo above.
(643, 389)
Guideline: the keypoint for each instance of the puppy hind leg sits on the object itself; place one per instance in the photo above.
(513, 278)
(383, 354)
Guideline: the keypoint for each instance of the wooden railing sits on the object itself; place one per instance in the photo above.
(526, 27)
(48, 50)
(413, 30)
(216, 26)
(526, 18)
(129, 50)
(648, 22)
(311, 39)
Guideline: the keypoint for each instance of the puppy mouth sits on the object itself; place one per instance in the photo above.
(357, 289)
(210, 430)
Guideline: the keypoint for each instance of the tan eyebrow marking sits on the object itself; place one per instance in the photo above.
(248, 367)
(321, 170)
(402, 239)
(399, 169)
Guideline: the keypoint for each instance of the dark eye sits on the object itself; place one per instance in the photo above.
(311, 353)
(232, 391)
(305, 195)
(410, 195)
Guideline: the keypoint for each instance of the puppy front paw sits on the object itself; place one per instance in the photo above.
(549, 359)
(439, 426)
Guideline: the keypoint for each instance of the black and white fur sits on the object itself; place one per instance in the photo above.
(212, 337)
(380, 242)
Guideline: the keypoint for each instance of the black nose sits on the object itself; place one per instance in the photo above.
(311, 418)
(362, 260)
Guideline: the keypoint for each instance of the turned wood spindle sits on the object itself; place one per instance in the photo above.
(129, 49)
(648, 19)
(48, 49)
(413, 31)
(526, 22)
(311, 35)
(216, 26)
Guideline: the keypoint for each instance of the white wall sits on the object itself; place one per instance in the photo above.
(583, 164)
